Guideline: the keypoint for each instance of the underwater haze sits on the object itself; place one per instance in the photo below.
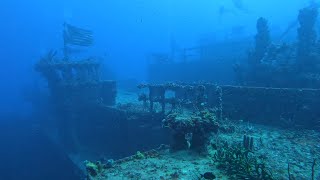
(86, 84)
(124, 31)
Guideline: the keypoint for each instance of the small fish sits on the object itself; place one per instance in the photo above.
(208, 175)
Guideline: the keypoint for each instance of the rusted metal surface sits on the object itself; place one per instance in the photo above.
(76, 82)
(274, 106)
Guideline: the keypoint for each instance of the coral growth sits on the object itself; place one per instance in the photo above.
(191, 130)
(294, 65)
(93, 169)
(239, 163)
(248, 143)
(307, 36)
(262, 40)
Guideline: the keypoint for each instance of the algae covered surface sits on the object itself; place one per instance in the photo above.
(276, 152)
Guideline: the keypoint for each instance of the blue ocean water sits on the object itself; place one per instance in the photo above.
(47, 130)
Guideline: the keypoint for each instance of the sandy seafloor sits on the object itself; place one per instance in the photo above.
(298, 147)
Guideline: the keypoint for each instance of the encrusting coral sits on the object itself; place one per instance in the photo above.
(191, 130)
